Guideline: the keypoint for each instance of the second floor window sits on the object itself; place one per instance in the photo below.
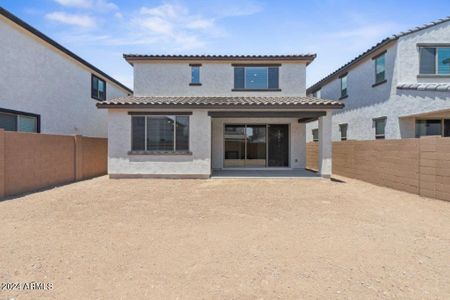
(344, 92)
(380, 71)
(435, 60)
(98, 88)
(195, 75)
(256, 78)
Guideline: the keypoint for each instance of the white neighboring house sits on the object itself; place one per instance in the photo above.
(46, 88)
(400, 88)
(191, 114)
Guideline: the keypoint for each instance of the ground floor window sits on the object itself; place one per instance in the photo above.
(343, 129)
(315, 134)
(12, 120)
(432, 127)
(160, 133)
(380, 128)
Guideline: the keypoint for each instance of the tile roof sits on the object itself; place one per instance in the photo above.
(439, 87)
(221, 102)
(61, 48)
(309, 57)
(370, 51)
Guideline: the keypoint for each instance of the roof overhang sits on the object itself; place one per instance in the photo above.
(300, 58)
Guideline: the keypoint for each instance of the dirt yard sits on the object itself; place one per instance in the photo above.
(225, 239)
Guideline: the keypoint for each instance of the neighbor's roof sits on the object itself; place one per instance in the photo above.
(370, 51)
(48, 40)
(220, 102)
(439, 87)
(293, 57)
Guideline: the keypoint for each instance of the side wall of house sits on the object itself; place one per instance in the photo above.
(120, 162)
(37, 78)
(365, 103)
(217, 79)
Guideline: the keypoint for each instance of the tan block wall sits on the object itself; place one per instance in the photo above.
(420, 166)
(30, 161)
(94, 157)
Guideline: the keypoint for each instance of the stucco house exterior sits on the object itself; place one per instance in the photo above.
(399, 88)
(193, 114)
(47, 88)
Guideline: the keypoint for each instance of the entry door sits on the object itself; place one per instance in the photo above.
(278, 141)
(447, 128)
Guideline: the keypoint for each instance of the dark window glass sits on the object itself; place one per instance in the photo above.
(380, 127)
(195, 74)
(256, 78)
(273, 78)
(8, 122)
(380, 72)
(343, 128)
(315, 133)
(428, 127)
(427, 60)
(182, 133)
(160, 133)
(344, 86)
(98, 88)
(27, 123)
(138, 133)
(443, 61)
(239, 77)
(447, 128)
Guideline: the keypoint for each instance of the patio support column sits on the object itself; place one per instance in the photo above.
(325, 145)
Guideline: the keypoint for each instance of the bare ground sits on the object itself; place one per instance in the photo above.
(225, 239)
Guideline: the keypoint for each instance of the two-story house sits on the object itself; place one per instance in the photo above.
(46, 88)
(191, 114)
(400, 88)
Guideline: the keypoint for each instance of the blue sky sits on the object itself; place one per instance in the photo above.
(100, 31)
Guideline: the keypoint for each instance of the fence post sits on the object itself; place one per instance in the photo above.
(427, 166)
(2, 163)
(78, 157)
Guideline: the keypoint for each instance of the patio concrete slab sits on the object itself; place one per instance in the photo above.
(265, 174)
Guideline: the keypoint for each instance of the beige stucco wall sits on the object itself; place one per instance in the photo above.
(217, 79)
(119, 144)
(37, 78)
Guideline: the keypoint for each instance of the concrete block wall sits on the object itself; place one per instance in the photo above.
(419, 166)
(30, 161)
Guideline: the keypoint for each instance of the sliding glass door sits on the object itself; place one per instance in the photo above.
(247, 146)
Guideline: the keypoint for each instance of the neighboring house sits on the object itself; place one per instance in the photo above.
(400, 88)
(46, 88)
(192, 114)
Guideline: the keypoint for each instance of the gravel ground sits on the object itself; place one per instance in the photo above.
(225, 239)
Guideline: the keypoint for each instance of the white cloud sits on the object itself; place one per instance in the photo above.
(75, 3)
(71, 19)
(172, 23)
(100, 5)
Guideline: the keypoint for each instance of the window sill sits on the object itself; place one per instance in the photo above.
(379, 83)
(256, 90)
(343, 97)
(433, 76)
(195, 84)
(161, 153)
(98, 99)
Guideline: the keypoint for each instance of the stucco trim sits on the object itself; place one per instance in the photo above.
(160, 113)
(203, 106)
